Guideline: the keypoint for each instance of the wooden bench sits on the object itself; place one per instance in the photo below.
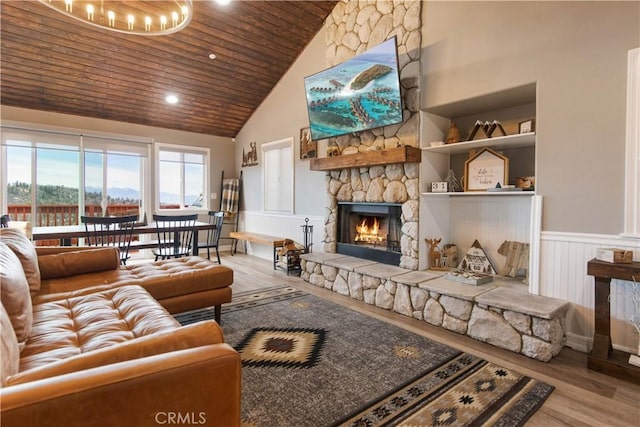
(262, 239)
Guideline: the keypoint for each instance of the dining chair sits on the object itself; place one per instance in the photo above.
(175, 235)
(213, 235)
(110, 231)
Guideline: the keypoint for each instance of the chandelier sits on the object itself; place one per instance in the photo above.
(147, 18)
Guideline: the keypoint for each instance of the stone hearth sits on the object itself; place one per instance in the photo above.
(495, 313)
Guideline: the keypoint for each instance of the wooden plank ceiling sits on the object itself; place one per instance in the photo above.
(55, 63)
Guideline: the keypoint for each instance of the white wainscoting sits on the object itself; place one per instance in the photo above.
(491, 220)
(563, 274)
(282, 225)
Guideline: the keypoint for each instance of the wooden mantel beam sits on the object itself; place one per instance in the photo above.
(404, 154)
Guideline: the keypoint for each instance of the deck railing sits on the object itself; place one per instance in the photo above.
(53, 215)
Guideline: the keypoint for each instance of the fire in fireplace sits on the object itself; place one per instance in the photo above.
(370, 230)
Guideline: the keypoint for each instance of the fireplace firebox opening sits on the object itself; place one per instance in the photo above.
(370, 230)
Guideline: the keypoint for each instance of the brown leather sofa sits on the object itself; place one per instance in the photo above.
(104, 355)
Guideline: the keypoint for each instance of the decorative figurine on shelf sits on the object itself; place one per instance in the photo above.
(453, 135)
(452, 182)
(434, 254)
(449, 257)
(480, 131)
(333, 149)
(476, 260)
(516, 263)
(526, 182)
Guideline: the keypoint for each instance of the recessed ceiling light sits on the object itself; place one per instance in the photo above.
(223, 2)
(212, 56)
(171, 99)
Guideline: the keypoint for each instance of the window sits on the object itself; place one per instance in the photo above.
(42, 176)
(52, 178)
(182, 177)
(113, 176)
(278, 175)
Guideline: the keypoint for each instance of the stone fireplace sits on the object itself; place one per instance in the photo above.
(352, 28)
(379, 192)
(370, 230)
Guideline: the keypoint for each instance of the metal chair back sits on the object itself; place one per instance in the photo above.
(175, 235)
(110, 231)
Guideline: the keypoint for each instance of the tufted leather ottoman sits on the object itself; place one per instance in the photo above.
(180, 284)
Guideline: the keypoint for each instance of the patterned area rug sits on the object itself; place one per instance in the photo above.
(310, 362)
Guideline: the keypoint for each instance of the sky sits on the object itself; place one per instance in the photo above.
(57, 167)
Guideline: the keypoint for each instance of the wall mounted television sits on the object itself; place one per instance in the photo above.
(358, 94)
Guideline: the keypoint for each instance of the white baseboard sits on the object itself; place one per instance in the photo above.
(584, 344)
(578, 342)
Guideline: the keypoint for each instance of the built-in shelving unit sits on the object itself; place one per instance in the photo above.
(462, 149)
(491, 217)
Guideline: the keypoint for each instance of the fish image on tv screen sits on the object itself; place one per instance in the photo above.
(358, 94)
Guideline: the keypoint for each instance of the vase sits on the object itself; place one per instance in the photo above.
(453, 135)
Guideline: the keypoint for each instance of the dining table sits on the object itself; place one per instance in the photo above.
(66, 233)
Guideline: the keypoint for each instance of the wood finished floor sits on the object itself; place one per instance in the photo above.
(581, 397)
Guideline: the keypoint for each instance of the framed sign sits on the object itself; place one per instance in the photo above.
(526, 127)
(486, 169)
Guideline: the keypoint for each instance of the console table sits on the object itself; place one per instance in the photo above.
(603, 358)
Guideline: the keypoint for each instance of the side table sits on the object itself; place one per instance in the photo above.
(603, 358)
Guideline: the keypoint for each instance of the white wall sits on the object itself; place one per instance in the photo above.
(576, 52)
(282, 114)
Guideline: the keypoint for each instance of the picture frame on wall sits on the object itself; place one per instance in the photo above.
(250, 158)
(308, 148)
(486, 169)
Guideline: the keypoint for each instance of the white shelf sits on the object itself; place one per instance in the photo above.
(499, 143)
(481, 194)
